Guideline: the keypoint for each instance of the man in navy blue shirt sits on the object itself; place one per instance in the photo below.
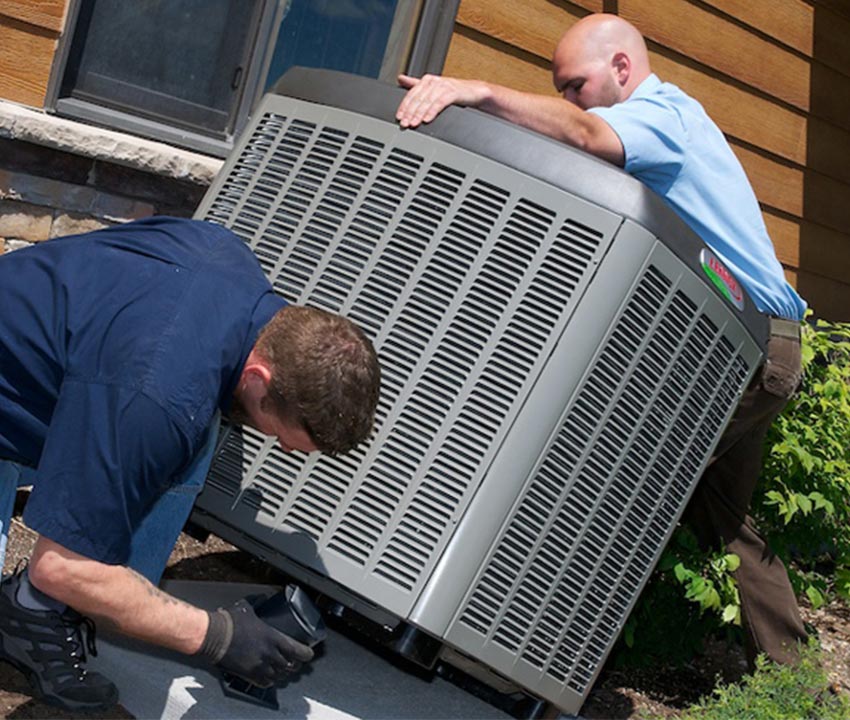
(615, 108)
(118, 351)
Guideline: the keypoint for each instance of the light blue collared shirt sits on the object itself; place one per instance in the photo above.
(673, 147)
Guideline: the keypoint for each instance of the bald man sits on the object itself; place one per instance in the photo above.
(615, 108)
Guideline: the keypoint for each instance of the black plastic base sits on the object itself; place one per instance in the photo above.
(240, 689)
(518, 705)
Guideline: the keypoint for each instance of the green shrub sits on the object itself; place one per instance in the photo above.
(802, 505)
(691, 591)
(775, 692)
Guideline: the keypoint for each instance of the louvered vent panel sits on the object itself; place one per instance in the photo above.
(253, 215)
(232, 194)
(462, 284)
(321, 493)
(239, 451)
(490, 390)
(272, 482)
(587, 530)
(450, 371)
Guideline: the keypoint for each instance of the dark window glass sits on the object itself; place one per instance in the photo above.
(189, 71)
(348, 35)
(177, 61)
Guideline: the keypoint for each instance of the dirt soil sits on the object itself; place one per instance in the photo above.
(633, 694)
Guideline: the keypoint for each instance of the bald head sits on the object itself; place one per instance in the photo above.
(599, 61)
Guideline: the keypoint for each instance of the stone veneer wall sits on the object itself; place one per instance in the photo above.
(59, 177)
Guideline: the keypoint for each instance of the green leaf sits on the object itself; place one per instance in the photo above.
(832, 389)
(710, 599)
(696, 589)
(732, 615)
(821, 503)
(808, 354)
(805, 458)
(815, 596)
(733, 562)
(773, 496)
(804, 503)
(790, 508)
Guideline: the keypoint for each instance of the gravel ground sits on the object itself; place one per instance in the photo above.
(618, 694)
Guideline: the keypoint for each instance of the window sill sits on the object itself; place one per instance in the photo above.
(22, 123)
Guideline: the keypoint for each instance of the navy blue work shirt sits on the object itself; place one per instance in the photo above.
(116, 349)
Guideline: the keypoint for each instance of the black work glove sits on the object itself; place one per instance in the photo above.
(242, 644)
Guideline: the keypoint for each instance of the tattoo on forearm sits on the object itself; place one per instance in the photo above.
(155, 592)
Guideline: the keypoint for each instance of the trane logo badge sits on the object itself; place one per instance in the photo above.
(722, 278)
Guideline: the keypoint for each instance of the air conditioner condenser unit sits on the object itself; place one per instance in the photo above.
(560, 355)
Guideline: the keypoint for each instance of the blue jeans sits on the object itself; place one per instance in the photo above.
(12, 476)
(154, 539)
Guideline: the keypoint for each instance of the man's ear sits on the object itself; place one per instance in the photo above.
(256, 376)
(622, 66)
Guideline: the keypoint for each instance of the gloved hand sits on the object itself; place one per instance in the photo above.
(242, 644)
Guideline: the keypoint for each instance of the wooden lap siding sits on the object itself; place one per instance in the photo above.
(772, 74)
(29, 30)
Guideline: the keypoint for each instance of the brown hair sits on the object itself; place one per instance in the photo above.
(325, 375)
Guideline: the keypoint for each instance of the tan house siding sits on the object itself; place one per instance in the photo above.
(29, 31)
(774, 75)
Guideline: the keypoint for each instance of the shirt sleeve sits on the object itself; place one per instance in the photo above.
(109, 453)
(653, 135)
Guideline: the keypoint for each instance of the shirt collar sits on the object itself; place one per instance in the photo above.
(649, 85)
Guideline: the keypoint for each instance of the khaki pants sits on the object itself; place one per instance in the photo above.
(718, 509)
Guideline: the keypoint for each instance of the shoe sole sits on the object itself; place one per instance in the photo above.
(53, 700)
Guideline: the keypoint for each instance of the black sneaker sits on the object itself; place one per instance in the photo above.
(48, 648)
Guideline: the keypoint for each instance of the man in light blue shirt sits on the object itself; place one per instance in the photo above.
(673, 147)
(615, 108)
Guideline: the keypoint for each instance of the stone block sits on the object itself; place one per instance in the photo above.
(20, 156)
(24, 221)
(158, 190)
(183, 211)
(39, 128)
(45, 191)
(70, 198)
(119, 209)
(2, 245)
(75, 224)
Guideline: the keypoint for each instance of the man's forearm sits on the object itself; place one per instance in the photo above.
(117, 596)
(556, 118)
(548, 115)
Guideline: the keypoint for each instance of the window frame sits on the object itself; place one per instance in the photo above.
(418, 43)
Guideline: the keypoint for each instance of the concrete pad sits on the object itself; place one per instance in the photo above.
(344, 682)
